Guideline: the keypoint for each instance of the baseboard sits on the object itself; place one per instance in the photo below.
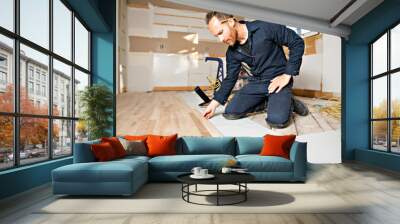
(316, 94)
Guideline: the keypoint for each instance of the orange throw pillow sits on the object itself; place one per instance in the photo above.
(277, 145)
(103, 152)
(135, 137)
(116, 145)
(161, 145)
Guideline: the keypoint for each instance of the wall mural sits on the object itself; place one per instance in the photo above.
(174, 66)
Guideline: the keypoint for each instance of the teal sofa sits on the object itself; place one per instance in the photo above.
(125, 176)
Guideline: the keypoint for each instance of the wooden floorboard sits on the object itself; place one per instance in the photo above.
(162, 113)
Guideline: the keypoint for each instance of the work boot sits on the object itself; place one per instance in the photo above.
(299, 107)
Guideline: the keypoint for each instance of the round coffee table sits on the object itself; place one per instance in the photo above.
(238, 179)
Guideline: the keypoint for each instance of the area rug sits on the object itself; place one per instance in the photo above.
(166, 198)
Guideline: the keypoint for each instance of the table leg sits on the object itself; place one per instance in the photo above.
(245, 193)
(217, 194)
(196, 188)
(188, 190)
(182, 189)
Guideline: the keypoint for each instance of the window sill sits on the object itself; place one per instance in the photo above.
(26, 167)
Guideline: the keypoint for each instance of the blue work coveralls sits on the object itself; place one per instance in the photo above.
(267, 60)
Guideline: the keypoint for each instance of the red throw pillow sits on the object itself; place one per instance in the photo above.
(161, 145)
(116, 145)
(103, 151)
(277, 145)
(135, 137)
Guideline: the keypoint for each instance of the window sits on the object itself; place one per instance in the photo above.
(303, 31)
(62, 137)
(45, 131)
(38, 74)
(3, 72)
(55, 95)
(33, 148)
(81, 81)
(43, 90)
(6, 142)
(30, 87)
(62, 74)
(299, 31)
(35, 21)
(3, 61)
(385, 97)
(30, 72)
(3, 78)
(62, 29)
(395, 47)
(379, 56)
(81, 45)
(37, 89)
(6, 73)
(7, 14)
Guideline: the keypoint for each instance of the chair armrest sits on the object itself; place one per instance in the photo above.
(298, 155)
(83, 152)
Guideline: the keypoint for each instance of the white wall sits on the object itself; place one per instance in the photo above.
(140, 72)
(170, 70)
(147, 70)
(322, 71)
(310, 71)
(332, 63)
(139, 22)
(182, 70)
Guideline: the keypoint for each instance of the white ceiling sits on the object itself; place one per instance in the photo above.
(314, 15)
(320, 9)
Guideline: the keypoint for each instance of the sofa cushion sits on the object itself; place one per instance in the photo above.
(196, 145)
(257, 163)
(103, 152)
(159, 145)
(134, 147)
(248, 145)
(277, 145)
(116, 145)
(132, 158)
(135, 137)
(112, 171)
(185, 163)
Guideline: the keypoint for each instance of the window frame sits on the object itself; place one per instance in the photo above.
(16, 114)
(3, 70)
(388, 74)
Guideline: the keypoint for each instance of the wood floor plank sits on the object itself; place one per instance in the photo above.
(162, 113)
